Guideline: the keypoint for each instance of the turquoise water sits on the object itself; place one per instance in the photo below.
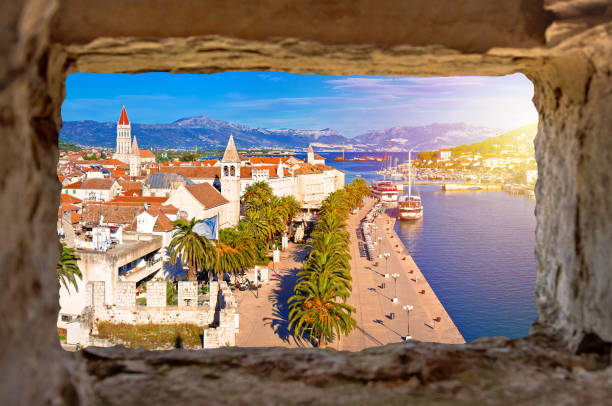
(476, 251)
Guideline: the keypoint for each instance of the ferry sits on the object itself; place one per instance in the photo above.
(385, 191)
(410, 206)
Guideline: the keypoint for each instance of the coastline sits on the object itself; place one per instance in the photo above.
(379, 320)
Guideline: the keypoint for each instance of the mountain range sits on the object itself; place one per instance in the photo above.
(208, 133)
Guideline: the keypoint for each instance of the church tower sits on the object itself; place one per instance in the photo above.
(230, 180)
(134, 159)
(124, 137)
(310, 156)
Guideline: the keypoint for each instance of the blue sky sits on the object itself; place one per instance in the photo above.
(350, 104)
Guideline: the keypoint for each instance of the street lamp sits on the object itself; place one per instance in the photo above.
(395, 276)
(408, 308)
(379, 245)
(387, 255)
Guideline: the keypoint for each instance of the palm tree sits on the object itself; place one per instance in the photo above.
(315, 310)
(274, 221)
(194, 250)
(332, 264)
(235, 252)
(68, 268)
(290, 207)
(256, 196)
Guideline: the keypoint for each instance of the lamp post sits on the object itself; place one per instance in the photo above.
(379, 245)
(395, 276)
(408, 308)
(387, 255)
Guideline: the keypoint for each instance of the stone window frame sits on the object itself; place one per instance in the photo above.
(563, 47)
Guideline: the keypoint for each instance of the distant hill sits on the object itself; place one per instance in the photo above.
(66, 146)
(204, 132)
(519, 139)
(427, 137)
(208, 133)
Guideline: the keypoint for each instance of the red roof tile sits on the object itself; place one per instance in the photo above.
(65, 198)
(75, 185)
(145, 153)
(206, 194)
(97, 184)
(196, 172)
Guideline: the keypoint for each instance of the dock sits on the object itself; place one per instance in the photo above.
(379, 320)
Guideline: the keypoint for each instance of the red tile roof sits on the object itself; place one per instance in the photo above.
(194, 172)
(267, 159)
(97, 184)
(140, 200)
(69, 207)
(145, 153)
(123, 119)
(75, 185)
(206, 194)
(65, 198)
(163, 223)
(112, 214)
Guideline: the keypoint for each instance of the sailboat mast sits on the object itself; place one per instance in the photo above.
(409, 174)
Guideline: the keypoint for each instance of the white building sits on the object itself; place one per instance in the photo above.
(93, 189)
(202, 201)
(444, 154)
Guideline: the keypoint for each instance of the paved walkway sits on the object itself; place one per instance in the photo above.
(263, 319)
(372, 293)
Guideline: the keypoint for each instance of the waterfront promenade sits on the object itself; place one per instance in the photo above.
(263, 319)
(373, 301)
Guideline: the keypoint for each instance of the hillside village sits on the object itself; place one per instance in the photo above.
(507, 158)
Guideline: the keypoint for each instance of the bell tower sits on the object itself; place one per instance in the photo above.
(124, 137)
(230, 180)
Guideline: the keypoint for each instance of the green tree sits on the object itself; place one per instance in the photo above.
(67, 268)
(316, 312)
(193, 250)
(236, 252)
(256, 196)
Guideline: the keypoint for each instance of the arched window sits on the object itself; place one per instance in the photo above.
(233, 171)
(225, 171)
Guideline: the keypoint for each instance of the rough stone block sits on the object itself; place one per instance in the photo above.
(187, 293)
(156, 294)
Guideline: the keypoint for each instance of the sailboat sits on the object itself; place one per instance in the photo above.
(410, 206)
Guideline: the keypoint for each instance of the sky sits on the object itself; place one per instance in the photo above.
(351, 105)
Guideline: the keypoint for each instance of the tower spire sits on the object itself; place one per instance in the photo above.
(135, 150)
(231, 153)
(123, 119)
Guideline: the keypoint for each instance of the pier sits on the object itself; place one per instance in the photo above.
(380, 320)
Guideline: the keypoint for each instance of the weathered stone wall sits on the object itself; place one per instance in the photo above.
(574, 228)
(570, 69)
(187, 293)
(156, 294)
(125, 294)
(223, 334)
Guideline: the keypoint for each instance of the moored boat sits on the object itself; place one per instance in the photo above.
(410, 206)
(385, 191)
